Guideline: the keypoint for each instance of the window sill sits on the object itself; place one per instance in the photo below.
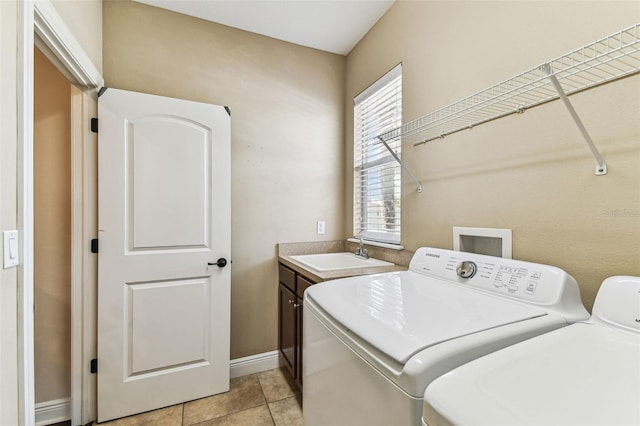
(377, 244)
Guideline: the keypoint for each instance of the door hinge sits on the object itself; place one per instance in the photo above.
(94, 125)
(93, 368)
(94, 245)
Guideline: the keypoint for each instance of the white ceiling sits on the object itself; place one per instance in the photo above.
(330, 25)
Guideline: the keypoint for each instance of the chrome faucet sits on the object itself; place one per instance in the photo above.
(361, 251)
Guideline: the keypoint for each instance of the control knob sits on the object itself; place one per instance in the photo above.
(466, 269)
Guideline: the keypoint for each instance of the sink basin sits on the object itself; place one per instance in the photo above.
(334, 261)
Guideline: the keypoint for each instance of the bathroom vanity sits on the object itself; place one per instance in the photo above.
(291, 290)
(294, 277)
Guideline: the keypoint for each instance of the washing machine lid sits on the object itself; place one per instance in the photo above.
(585, 373)
(403, 313)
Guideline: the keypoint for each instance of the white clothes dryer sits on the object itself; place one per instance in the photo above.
(584, 374)
(373, 343)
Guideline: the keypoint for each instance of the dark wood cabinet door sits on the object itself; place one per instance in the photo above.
(288, 329)
(291, 291)
(301, 285)
(299, 346)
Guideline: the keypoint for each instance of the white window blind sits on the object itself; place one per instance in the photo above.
(377, 175)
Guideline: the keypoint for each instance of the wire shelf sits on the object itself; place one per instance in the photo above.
(602, 61)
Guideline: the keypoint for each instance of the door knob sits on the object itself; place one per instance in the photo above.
(222, 262)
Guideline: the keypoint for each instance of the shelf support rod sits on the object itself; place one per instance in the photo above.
(386, 145)
(601, 166)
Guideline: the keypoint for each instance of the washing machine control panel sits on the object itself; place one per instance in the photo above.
(513, 278)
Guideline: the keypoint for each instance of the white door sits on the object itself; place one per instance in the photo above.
(164, 221)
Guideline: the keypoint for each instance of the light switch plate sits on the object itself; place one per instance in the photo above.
(11, 257)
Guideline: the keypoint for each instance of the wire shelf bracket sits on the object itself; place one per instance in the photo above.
(601, 166)
(605, 60)
(404, 167)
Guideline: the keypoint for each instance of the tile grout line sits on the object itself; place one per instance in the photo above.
(252, 407)
(261, 388)
(273, 420)
(231, 412)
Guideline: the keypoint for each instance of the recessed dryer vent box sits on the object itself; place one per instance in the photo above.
(489, 241)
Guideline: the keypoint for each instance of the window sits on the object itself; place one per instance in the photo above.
(377, 175)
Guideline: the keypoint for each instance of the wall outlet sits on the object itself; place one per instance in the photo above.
(320, 227)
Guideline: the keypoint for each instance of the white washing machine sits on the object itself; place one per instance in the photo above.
(373, 343)
(584, 374)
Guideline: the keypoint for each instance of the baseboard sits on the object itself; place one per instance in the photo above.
(59, 410)
(254, 364)
(49, 412)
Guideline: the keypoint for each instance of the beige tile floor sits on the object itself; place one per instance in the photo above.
(266, 398)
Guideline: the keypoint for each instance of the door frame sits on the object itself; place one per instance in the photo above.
(39, 23)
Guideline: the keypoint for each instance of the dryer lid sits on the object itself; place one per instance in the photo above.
(403, 313)
(617, 303)
(576, 375)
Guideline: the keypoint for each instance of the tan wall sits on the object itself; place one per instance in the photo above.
(52, 224)
(287, 124)
(84, 20)
(531, 173)
(8, 217)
